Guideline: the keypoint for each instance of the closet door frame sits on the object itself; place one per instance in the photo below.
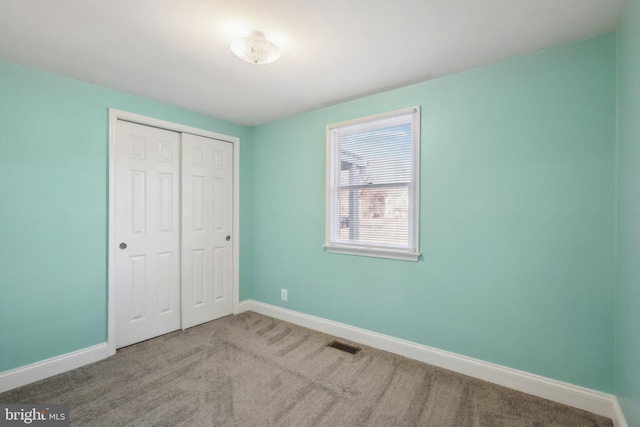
(114, 116)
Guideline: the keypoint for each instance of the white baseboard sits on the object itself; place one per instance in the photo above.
(568, 394)
(618, 416)
(49, 367)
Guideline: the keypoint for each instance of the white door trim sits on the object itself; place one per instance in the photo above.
(114, 116)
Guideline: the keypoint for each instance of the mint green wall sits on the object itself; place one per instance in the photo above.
(53, 209)
(516, 218)
(628, 277)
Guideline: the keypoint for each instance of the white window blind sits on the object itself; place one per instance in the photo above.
(372, 185)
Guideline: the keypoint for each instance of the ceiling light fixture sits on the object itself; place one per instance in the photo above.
(255, 49)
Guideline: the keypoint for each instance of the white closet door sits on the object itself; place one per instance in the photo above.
(147, 212)
(207, 216)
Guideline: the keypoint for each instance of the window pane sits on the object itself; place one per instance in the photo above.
(384, 216)
(378, 216)
(377, 156)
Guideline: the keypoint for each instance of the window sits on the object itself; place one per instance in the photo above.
(372, 185)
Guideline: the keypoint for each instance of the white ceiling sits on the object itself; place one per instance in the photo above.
(177, 51)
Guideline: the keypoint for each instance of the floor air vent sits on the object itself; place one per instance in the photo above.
(343, 347)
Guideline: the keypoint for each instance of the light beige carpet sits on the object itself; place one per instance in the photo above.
(252, 370)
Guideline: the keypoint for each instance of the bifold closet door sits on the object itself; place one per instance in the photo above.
(147, 220)
(207, 218)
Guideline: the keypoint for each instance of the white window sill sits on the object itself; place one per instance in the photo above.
(373, 252)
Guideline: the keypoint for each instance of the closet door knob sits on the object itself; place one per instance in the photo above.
(123, 245)
(228, 238)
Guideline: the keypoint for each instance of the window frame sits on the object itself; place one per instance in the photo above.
(332, 216)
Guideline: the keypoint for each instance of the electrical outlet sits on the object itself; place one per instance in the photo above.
(283, 294)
